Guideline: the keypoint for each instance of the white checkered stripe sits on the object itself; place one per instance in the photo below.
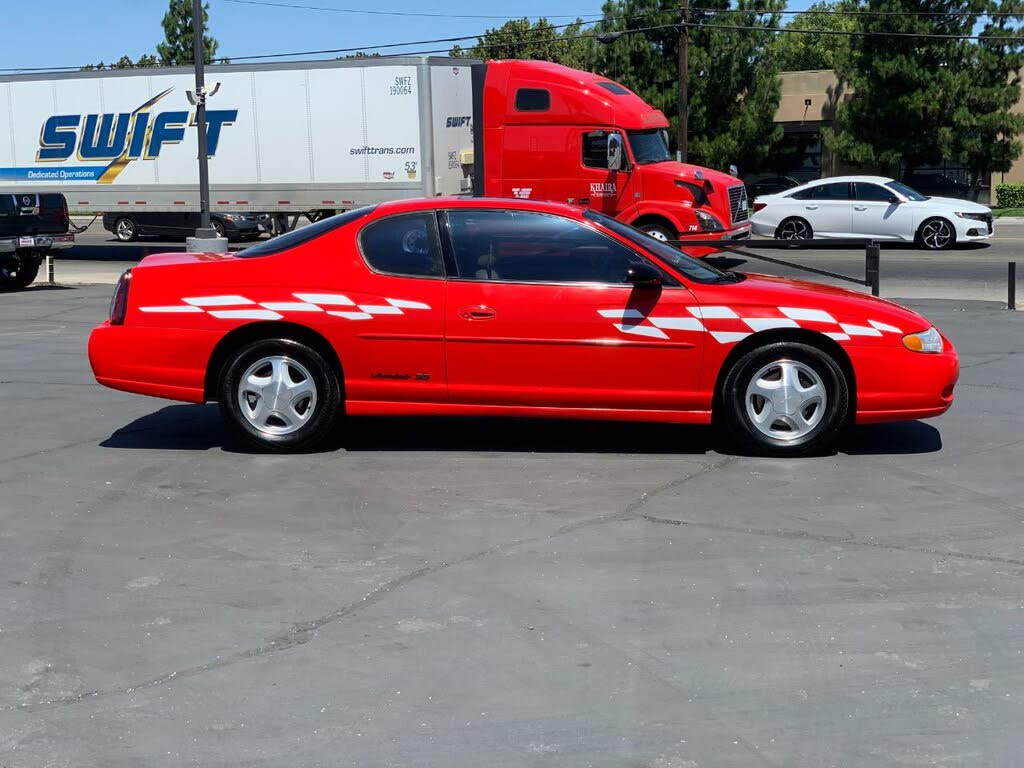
(233, 307)
(727, 326)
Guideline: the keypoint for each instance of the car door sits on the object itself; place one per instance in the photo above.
(878, 212)
(827, 208)
(604, 190)
(539, 313)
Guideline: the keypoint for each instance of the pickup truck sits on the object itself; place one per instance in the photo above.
(30, 225)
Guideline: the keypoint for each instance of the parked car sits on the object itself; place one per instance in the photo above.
(128, 227)
(477, 306)
(30, 225)
(869, 206)
(768, 185)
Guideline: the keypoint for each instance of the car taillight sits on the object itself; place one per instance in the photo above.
(759, 206)
(119, 301)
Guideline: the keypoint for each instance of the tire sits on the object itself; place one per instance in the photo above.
(661, 232)
(936, 234)
(794, 228)
(126, 230)
(18, 273)
(813, 423)
(218, 227)
(298, 425)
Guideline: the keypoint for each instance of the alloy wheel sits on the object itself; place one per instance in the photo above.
(786, 399)
(936, 234)
(277, 395)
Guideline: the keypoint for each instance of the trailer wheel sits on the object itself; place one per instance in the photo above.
(18, 272)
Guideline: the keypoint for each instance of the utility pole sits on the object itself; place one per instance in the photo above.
(199, 54)
(684, 79)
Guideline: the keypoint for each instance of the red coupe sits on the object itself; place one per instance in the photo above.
(484, 307)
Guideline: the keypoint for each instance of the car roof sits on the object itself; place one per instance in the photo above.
(840, 179)
(505, 203)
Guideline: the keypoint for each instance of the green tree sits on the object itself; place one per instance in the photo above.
(521, 39)
(177, 46)
(733, 81)
(801, 50)
(125, 62)
(920, 101)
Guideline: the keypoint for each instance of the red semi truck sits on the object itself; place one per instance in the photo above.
(311, 137)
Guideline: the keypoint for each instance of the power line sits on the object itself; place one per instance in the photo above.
(860, 33)
(295, 6)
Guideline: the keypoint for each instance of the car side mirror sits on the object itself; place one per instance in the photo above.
(615, 158)
(643, 275)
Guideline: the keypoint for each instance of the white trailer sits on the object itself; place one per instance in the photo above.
(283, 138)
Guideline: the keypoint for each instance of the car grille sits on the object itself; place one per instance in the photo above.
(738, 206)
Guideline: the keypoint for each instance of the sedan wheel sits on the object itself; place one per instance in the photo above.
(794, 229)
(280, 395)
(125, 230)
(937, 234)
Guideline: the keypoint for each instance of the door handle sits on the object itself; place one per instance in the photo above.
(478, 312)
(860, 207)
(811, 207)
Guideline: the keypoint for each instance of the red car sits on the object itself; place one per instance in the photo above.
(483, 307)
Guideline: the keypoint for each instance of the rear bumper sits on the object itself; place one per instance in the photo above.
(895, 384)
(36, 242)
(168, 363)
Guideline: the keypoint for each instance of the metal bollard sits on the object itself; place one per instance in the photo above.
(1011, 286)
(872, 267)
(49, 267)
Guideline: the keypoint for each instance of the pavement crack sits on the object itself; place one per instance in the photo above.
(852, 541)
(303, 632)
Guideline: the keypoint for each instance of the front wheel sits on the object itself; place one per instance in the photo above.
(936, 235)
(661, 232)
(786, 399)
(279, 395)
(218, 227)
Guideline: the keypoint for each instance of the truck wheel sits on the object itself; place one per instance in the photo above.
(661, 232)
(19, 272)
(125, 230)
(786, 399)
(279, 395)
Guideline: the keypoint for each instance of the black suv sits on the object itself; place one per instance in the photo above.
(131, 225)
(30, 225)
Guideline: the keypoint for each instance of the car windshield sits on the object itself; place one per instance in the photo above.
(649, 146)
(695, 270)
(911, 194)
(304, 234)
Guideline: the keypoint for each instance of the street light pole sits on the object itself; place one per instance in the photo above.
(199, 53)
(684, 79)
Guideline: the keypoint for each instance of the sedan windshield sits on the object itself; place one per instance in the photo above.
(696, 270)
(911, 194)
(649, 146)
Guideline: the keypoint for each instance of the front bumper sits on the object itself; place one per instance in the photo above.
(895, 384)
(36, 242)
(968, 230)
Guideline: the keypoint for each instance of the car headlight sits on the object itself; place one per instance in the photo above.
(973, 216)
(232, 216)
(925, 341)
(708, 223)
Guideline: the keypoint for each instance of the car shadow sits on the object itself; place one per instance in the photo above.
(201, 428)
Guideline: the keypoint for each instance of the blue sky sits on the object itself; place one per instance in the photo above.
(73, 33)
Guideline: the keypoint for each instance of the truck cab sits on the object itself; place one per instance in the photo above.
(560, 134)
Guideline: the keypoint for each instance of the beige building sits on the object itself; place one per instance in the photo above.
(809, 101)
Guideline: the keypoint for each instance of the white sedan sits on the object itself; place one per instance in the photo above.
(869, 206)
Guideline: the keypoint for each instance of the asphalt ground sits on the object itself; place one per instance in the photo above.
(439, 592)
(975, 271)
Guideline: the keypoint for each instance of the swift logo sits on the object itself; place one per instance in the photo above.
(125, 136)
(458, 121)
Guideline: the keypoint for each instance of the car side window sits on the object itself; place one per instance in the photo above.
(528, 247)
(839, 190)
(872, 192)
(803, 194)
(595, 149)
(404, 245)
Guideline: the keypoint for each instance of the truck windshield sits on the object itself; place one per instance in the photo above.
(697, 271)
(649, 146)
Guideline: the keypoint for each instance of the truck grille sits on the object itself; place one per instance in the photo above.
(738, 206)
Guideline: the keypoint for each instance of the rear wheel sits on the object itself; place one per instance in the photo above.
(279, 395)
(786, 399)
(125, 230)
(794, 229)
(936, 234)
(18, 271)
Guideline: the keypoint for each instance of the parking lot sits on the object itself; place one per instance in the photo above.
(437, 592)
